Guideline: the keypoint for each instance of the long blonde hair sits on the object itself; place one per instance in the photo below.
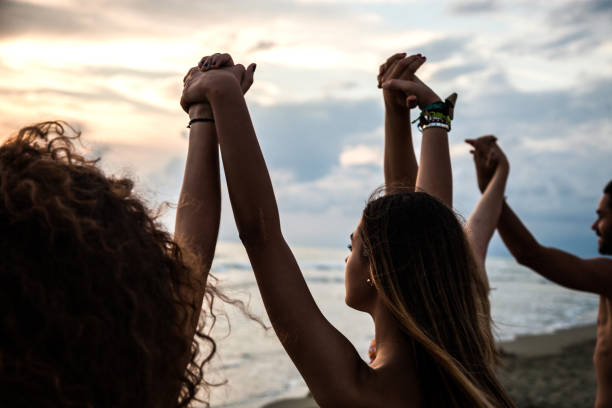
(423, 269)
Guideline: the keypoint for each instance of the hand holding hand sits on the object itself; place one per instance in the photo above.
(401, 87)
(488, 157)
(216, 72)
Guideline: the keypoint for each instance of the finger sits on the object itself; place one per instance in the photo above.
(203, 61)
(488, 139)
(490, 159)
(239, 72)
(400, 69)
(188, 74)
(184, 105)
(390, 61)
(471, 142)
(414, 65)
(395, 57)
(400, 85)
(247, 78)
(224, 60)
(213, 60)
(411, 102)
(391, 69)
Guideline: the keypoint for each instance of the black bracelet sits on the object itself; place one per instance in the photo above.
(192, 121)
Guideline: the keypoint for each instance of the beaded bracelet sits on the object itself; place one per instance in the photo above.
(436, 114)
(442, 125)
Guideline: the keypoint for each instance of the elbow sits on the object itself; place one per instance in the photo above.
(527, 256)
(260, 234)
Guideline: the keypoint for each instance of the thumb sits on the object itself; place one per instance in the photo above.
(411, 102)
(471, 142)
(247, 78)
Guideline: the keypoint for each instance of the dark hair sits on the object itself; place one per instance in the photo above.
(424, 270)
(91, 312)
(608, 188)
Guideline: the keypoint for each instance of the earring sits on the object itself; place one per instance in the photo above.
(369, 282)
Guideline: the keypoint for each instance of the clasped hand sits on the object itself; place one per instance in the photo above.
(401, 87)
(216, 72)
(487, 158)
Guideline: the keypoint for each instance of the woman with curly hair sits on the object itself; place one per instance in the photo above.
(410, 267)
(98, 303)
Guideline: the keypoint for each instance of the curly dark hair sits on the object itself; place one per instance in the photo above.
(92, 288)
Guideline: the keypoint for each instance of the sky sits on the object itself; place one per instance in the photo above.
(537, 74)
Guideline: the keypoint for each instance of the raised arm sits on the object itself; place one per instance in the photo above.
(328, 362)
(589, 275)
(199, 207)
(400, 165)
(482, 222)
(434, 174)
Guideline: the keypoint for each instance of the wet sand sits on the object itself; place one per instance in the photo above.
(548, 370)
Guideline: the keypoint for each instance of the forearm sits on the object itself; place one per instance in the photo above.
(400, 163)
(249, 184)
(435, 175)
(519, 241)
(199, 209)
(484, 219)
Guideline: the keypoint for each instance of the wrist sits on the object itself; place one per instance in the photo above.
(428, 100)
(200, 110)
(393, 104)
(224, 89)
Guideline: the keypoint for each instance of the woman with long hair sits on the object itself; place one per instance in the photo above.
(411, 268)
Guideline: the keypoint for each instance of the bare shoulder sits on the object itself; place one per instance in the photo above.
(600, 271)
(387, 387)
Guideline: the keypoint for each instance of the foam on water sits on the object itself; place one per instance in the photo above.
(257, 369)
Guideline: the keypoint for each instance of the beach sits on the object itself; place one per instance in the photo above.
(537, 371)
(538, 368)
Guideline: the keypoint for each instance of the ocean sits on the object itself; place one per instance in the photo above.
(255, 369)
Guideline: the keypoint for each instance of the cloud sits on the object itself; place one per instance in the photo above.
(263, 45)
(308, 138)
(452, 72)
(474, 6)
(19, 18)
(97, 95)
(360, 155)
(587, 12)
(443, 48)
(543, 88)
(557, 44)
(116, 71)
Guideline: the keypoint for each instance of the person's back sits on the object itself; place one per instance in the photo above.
(92, 309)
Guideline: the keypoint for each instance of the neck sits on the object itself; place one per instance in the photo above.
(392, 345)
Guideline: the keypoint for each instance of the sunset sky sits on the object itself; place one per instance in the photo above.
(538, 74)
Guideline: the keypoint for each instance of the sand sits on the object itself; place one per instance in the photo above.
(549, 370)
